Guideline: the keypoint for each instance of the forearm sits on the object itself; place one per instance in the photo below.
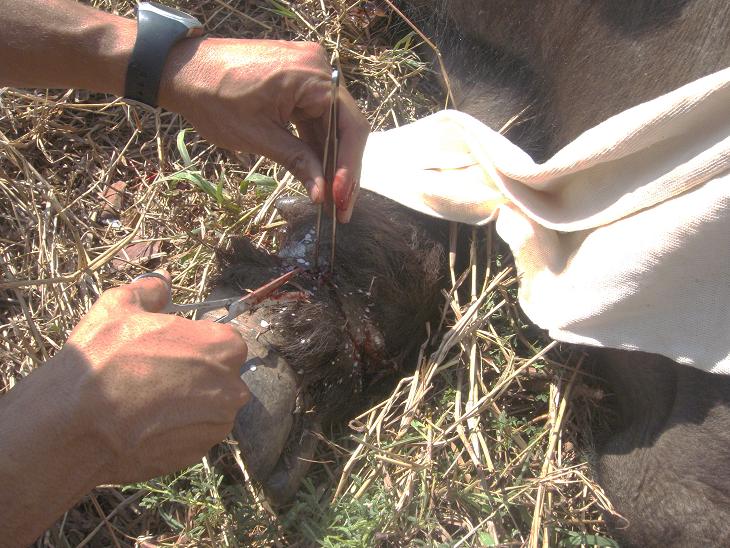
(239, 94)
(47, 460)
(63, 44)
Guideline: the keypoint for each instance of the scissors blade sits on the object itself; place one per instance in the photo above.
(202, 306)
(256, 297)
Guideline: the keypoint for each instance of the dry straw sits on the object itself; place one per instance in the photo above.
(479, 444)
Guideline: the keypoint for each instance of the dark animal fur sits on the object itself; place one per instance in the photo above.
(666, 466)
(560, 67)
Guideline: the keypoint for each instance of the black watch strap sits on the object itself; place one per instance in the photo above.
(158, 29)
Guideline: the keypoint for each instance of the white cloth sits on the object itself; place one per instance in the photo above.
(621, 239)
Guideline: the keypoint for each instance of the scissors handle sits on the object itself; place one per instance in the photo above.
(177, 308)
(235, 305)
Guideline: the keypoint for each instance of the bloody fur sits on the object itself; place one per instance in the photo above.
(357, 325)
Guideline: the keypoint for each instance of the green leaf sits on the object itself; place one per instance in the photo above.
(485, 539)
(182, 149)
(260, 180)
(196, 179)
(576, 538)
(281, 10)
(405, 42)
(264, 185)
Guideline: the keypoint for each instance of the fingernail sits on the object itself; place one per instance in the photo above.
(313, 191)
(344, 201)
(345, 216)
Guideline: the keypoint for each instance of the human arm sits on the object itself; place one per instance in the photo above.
(239, 94)
(63, 44)
(133, 394)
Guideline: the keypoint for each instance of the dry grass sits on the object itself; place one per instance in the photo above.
(481, 445)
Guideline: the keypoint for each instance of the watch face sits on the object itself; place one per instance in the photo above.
(169, 13)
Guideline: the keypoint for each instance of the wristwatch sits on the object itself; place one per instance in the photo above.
(158, 29)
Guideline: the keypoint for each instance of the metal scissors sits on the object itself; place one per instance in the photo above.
(235, 306)
(329, 164)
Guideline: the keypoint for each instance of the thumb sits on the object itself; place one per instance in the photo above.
(299, 158)
(152, 290)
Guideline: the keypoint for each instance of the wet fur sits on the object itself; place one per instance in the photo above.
(549, 70)
(388, 263)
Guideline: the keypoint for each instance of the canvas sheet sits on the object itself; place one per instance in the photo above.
(621, 239)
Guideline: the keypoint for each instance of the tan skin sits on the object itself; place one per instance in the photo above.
(247, 107)
(134, 393)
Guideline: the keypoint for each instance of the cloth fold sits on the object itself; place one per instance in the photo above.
(621, 239)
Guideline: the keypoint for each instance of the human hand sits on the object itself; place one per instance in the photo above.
(156, 391)
(242, 94)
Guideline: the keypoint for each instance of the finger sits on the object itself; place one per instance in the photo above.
(312, 134)
(152, 293)
(233, 347)
(298, 157)
(353, 130)
(243, 394)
